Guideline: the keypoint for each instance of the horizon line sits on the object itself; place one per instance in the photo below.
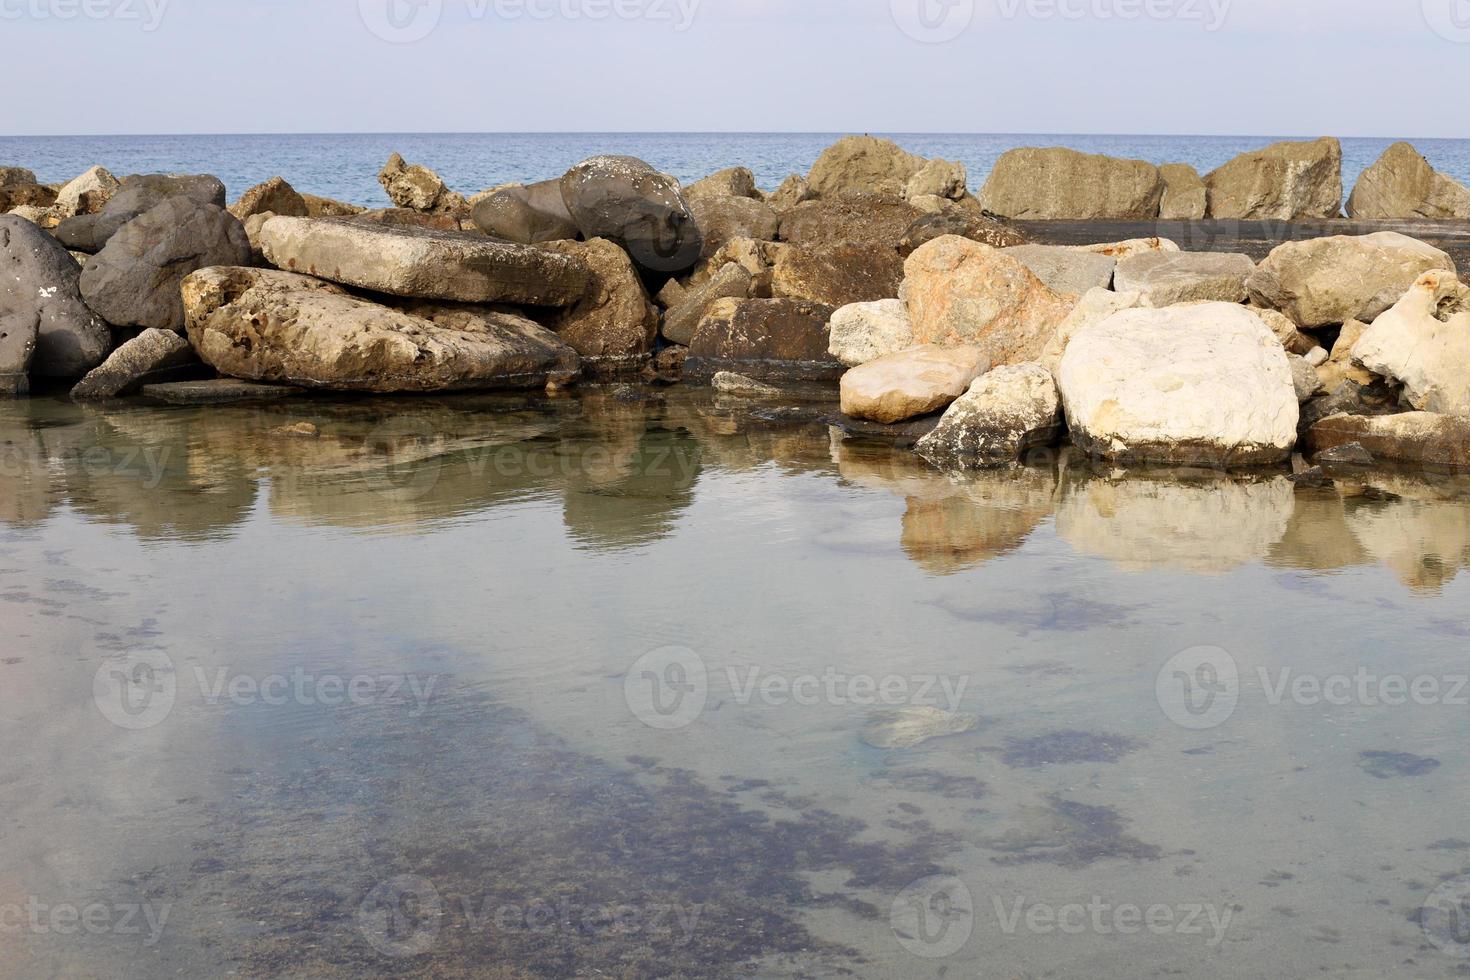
(731, 132)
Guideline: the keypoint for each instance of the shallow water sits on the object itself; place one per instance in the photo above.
(516, 687)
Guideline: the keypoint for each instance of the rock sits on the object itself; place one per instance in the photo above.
(135, 364)
(977, 228)
(667, 366)
(613, 324)
(1304, 379)
(424, 263)
(724, 218)
(418, 188)
(40, 217)
(526, 215)
(325, 207)
(938, 178)
(1166, 278)
(1282, 182)
(263, 325)
(39, 297)
(218, 391)
(1053, 182)
(681, 322)
(1402, 184)
(17, 343)
(1129, 248)
(1423, 342)
(274, 196)
(628, 202)
(1095, 306)
(873, 220)
(1340, 366)
(1327, 281)
(1291, 338)
(738, 384)
(794, 190)
(908, 728)
(731, 182)
(303, 429)
(406, 218)
(1207, 383)
(1185, 196)
(25, 195)
(17, 175)
(837, 274)
(1006, 412)
(904, 435)
(136, 194)
(1435, 442)
(960, 292)
(1065, 270)
(1316, 357)
(1348, 454)
(913, 382)
(863, 165)
(863, 332)
(1349, 398)
(86, 194)
(134, 280)
(766, 339)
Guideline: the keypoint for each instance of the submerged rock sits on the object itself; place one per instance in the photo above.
(218, 391)
(1328, 281)
(910, 383)
(1207, 383)
(738, 384)
(1424, 343)
(277, 327)
(41, 305)
(1006, 412)
(908, 728)
(423, 263)
(1282, 182)
(630, 203)
(1402, 184)
(1054, 182)
(135, 364)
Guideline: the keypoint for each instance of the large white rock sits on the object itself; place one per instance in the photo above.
(1424, 343)
(1095, 306)
(1207, 383)
(1166, 278)
(911, 383)
(863, 332)
(1006, 412)
(1326, 281)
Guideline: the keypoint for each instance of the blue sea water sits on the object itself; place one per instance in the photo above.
(345, 166)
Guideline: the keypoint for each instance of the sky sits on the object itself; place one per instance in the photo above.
(1264, 67)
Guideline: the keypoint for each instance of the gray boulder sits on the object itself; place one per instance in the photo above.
(423, 262)
(1005, 413)
(1066, 270)
(39, 298)
(1402, 184)
(1282, 182)
(138, 362)
(1055, 182)
(631, 204)
(134, 280)
(139, 193)
(1166, 278)
(527, 215)
(17, 345)
(1185, 196)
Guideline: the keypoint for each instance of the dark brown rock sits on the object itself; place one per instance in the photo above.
(874, 220)
(837, 274)
(767, 339)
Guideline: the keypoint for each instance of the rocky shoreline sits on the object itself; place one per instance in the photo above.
(1235, 319)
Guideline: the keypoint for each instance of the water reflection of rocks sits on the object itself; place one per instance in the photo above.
(625, 465)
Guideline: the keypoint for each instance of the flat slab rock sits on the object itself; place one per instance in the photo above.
(131, 365)
(1438, 443)
(1167, 278)
(218, 391)
(423, 263)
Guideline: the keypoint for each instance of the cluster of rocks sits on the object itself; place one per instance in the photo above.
(1282, 182)
(878, 270)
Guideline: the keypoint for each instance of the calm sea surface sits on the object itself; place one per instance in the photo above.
(346, 166)
(526, 688)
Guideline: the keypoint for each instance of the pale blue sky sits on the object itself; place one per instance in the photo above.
(1340, 67)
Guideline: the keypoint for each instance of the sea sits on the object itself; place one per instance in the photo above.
(345, 165)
